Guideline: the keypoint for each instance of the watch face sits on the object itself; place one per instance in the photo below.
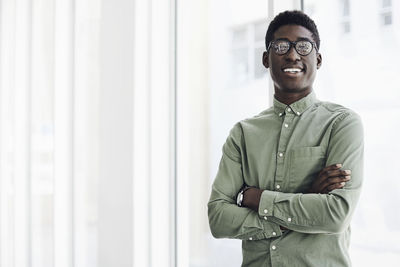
(239, 198)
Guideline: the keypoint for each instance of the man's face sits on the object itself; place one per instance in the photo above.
(289, 82)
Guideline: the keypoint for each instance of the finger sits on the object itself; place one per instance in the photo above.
(338, 179)
(335, 186)
(331, 167)
(335, 180)
(328, 172)
(335, 173)
(324, 173)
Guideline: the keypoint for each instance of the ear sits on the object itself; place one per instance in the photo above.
(265, 59)
(319, 60)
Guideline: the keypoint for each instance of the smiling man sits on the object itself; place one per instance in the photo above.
(290, 178)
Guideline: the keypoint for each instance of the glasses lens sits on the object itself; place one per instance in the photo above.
(281, 47)
(304, 47)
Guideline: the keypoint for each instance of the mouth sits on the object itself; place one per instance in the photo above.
(293, 71)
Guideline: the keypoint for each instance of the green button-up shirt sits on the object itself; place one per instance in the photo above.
(281, 150)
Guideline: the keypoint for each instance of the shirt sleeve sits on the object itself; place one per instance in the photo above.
(226, 219)
(324, 213)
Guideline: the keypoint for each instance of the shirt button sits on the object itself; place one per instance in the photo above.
(265, 211)
(273, 247)
(289, 219)
(265, 218)
(273, 233)
(281, 154)
(250, 238)
(280, 114)
(298, 113)
(278, 186)
(288, 110)
(286, 125)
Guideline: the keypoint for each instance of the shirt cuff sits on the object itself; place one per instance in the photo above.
(271, 229)
(266, 206)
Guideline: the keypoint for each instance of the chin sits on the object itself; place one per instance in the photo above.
(295, 89)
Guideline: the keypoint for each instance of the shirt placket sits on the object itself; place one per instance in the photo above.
(282, 146)
(286, 130)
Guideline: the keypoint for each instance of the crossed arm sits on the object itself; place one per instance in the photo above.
(328, 179)
(326, 208)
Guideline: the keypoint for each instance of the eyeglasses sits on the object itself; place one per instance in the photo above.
(282, 47)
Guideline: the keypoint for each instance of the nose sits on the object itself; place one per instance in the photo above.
(292, 54)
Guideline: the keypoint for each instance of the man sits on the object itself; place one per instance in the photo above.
(290, 178)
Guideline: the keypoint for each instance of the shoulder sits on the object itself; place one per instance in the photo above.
(334, 107)
(339, 112)
(251, 124)
(346, 122)
(257, 120)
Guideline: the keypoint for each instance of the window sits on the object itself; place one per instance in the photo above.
(345, 16)
(386, 3)
(247, 48)
(386, 12)
(240, 55)
(260, 30)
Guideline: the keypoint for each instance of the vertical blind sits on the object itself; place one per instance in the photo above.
(49, 79)
(87, 133)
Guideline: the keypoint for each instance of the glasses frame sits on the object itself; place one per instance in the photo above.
(293, 44)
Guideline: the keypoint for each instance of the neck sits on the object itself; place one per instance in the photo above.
(289, 98)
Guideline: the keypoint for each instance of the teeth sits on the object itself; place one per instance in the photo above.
(292, 70)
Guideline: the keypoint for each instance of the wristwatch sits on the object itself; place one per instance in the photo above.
(239, 198)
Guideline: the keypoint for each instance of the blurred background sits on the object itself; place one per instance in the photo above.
(113, 114)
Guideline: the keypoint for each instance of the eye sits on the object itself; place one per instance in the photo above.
(281, 47)
(304, 47)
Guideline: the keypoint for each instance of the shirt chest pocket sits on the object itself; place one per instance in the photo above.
(304, 165)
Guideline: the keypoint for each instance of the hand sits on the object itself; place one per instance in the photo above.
(251, 198)
(330, 178)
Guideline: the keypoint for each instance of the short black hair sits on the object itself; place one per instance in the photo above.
(295, 17)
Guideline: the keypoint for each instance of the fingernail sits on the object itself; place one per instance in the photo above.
(347, 177)
(339, 165)
(342, 183)
(347, 171)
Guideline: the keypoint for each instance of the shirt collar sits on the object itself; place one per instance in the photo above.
(297, 107)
